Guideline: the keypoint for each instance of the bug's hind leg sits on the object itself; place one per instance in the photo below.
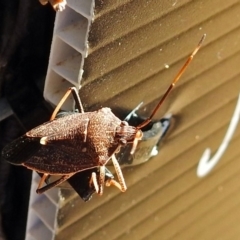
(76, 97)
(43, 178)
(53, 184)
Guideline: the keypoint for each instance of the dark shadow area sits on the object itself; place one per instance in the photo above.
(25, 39)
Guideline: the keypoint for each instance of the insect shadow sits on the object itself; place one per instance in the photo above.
(81, 141)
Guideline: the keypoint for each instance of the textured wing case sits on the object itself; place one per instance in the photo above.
(74, 143)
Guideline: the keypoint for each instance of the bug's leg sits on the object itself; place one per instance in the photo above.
(43, 178)
(53, 184)
(98, 186)
(118, 170)
(76, 97)
(101, 179)
(113, 182)
(93, 181)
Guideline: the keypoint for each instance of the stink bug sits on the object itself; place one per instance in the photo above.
(80, 141)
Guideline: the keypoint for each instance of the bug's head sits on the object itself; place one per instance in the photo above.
(128, 134)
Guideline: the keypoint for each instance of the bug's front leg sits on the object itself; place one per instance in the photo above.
(98, 184)
(113, 182)
(94, 181)
(53, 184)
(121, 185)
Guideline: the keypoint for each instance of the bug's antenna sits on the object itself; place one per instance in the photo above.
(182, 70)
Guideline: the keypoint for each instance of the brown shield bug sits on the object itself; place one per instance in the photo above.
(80, 141)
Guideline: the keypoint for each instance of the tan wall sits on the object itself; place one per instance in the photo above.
(130, 44)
